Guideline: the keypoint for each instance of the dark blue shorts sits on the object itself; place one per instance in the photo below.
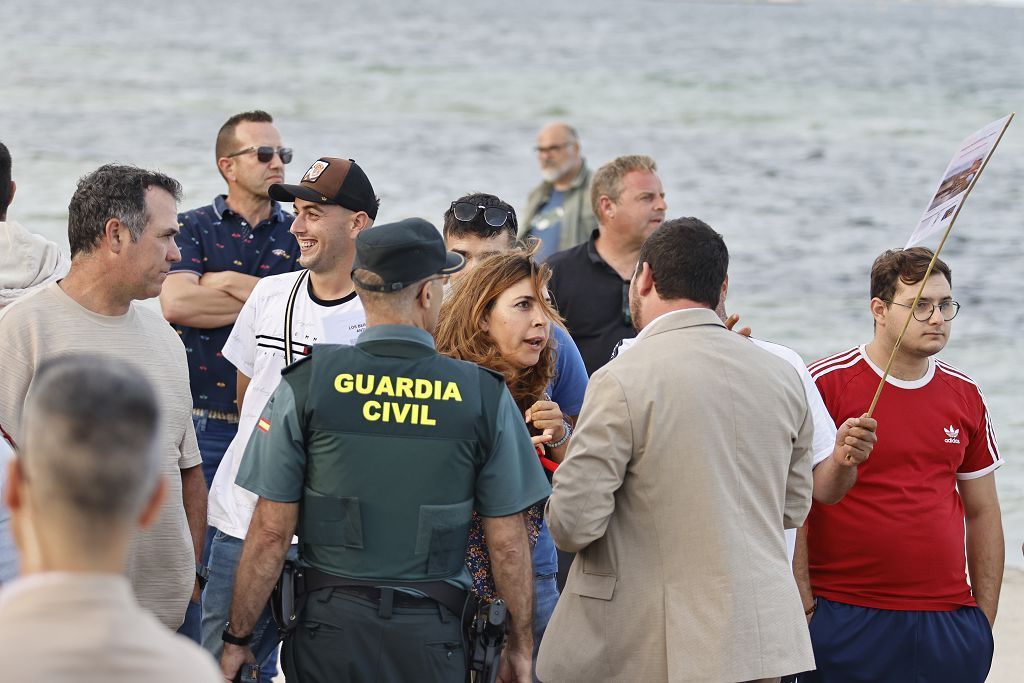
(860, 644)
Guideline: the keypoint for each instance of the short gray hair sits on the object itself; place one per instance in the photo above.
(89, 438)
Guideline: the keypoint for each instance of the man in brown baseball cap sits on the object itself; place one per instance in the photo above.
(334, 201)
(283, 317)
(332, 181)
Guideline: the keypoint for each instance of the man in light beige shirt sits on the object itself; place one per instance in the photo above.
(121, 226)
(87, 474)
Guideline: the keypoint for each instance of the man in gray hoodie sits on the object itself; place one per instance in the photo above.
(27, 260)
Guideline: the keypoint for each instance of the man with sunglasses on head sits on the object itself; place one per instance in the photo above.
(225, 248)
(558, 211)
(888, 596)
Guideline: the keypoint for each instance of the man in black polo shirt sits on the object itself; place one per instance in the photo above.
(225, 248)
(590, 283)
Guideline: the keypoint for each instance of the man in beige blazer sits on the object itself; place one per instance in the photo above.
(692, 453)
(86, 475)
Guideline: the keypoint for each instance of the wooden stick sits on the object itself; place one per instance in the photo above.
(928, 272)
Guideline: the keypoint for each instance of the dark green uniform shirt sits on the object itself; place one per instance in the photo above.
(389, 447)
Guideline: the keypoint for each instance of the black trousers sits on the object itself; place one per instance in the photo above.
(347, 635)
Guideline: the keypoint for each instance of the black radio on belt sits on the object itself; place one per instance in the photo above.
(488, 635)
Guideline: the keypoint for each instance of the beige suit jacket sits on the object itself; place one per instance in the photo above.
(87, 628)
(692, 453)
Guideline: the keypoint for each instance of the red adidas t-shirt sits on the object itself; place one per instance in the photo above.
(896, 540)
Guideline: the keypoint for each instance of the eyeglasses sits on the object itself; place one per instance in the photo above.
(265, 154)
(494, 216)
(924, 310)
(551, 148)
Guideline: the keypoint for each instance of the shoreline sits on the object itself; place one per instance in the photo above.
(1008, 661)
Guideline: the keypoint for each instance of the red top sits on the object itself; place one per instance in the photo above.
(896, 540)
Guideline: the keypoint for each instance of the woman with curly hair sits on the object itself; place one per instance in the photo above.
(498, 316)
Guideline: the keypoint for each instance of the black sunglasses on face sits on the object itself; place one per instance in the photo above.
(265, 154)
(494, 216)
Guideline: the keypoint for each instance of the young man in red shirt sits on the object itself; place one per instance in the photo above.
(886, 564)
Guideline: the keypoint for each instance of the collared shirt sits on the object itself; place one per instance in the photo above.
(215, 238)
(593, 299)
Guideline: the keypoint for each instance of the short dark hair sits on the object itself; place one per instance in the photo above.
(478, 226)
(112, 191)
(904, 265)
(688, 260)
(226, 140)
(5, 180)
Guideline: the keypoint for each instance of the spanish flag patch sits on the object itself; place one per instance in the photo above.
(263, 425)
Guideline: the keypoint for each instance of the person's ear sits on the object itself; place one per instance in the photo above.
(14, 190)
(424, 294)
(878, 309)
(151, 510)
(227, 168)
(116, 235)
(644, 279)
(360, 222)
(606, 206)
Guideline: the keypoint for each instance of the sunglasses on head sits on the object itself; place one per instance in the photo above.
(494, 216)
(265, 154)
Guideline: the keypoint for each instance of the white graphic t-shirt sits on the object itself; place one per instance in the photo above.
(256, 347)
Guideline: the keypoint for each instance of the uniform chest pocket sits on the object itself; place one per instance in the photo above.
(331, 521)
(442, 535)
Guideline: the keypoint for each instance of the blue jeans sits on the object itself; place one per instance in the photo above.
(225, 552)
(214, 437)
(545, 597)
(190, 628)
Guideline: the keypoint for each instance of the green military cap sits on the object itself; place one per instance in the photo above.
(403, 253)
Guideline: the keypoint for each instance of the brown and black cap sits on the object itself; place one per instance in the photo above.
(331, 181)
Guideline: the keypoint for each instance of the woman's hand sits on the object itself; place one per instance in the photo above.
(546, 416)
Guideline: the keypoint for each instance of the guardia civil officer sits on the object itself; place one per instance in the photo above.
(379, 453)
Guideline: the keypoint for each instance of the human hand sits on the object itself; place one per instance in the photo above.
(232, 659)
(854, 440)
(731, 321)
(197, 592)
(515, 667)
(546, 416)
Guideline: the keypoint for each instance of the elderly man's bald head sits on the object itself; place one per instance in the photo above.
(558, 152)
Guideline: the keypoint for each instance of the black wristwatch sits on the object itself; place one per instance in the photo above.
(202, 575)
(228, 637)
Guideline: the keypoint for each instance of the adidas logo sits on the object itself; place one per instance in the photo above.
(951, 434)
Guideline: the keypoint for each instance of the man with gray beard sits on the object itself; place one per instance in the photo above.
(558, 210)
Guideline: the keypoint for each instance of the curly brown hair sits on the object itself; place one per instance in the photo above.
(460, 334)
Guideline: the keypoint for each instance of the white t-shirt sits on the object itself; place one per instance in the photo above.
(256, 348)
(824, 428)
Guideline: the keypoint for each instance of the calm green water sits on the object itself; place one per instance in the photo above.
(811, 135)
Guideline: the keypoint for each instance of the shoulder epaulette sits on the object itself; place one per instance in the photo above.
(289, 368)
